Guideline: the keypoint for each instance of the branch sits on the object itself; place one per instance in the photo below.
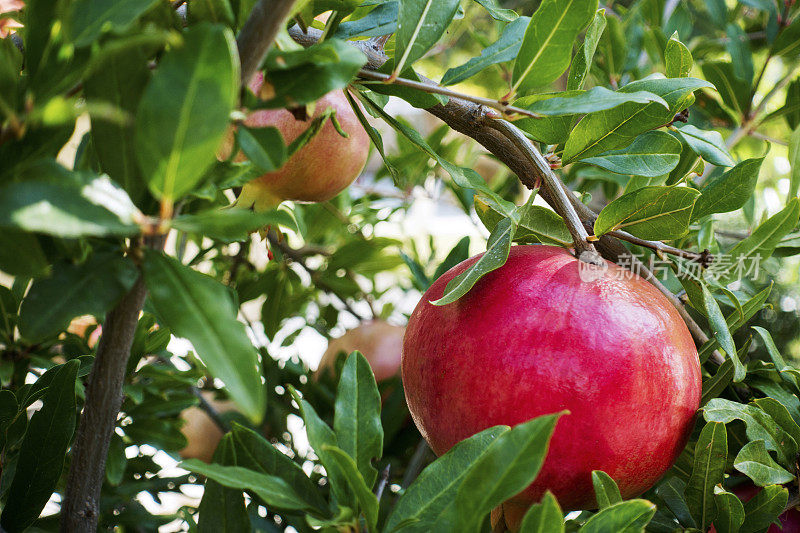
(438, 89)
(259, 31)
(560, 202)
(299, 258)
(473, 121)
(81, 508)
(704, 257)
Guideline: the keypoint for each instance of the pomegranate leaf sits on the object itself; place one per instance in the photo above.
(420, 24)
(677, 57)
(625, 517)
(730, 511)
(184, 111)
(543, 517)
(340, 461)
(605, 488)
(708, 144)
(509, 465)
(728, 191)
(710, 456)
(653, 212)
(357, 419)
(764, 508)
(41, 458)
(427, 498)
(582, 61)
(547, 44)
(651, 154)
(754, 461)
(197, 307)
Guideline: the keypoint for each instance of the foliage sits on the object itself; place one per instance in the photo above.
(675, 121)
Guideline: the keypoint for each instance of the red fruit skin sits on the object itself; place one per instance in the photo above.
(327, 164)
(530, 339)
(790, 520)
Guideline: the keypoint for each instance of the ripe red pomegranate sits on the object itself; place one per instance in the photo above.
(380, 342)
(533, 338)
(322, 168)
(790, 520)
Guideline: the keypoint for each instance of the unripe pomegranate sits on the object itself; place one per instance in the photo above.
(319, 170)
(533, 338)
(201, 432)
(380, 342)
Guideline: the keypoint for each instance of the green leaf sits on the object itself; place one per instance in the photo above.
(730, 511)
(549, 130)
(652, 154)
(41, 457)
(582, 61)
(300, 77)
(509, 465)
(708, 144)
(758, 246)
(420, 25)
(272, 489)
(735, 320)
(233, 224)
(543, 517)
(380, 21)
(595, 99)
(357, 419)
(183, 113)
(710, 455)
(729, 191)
(321, 437)
(605, 489)
(91, 288)
(788, 373)
(222, 509)
(212, 11)
(199, 308)
(653, 212)
(734, 93)
(497, 250)
(788, 41)
(119, 80)
(794, 160)
(778, 411)
(754, 461)
(254, 452)
(764, 508)
(367, 501)
(547, 45)
(671, 492)
(263, 147)
(68, 206)
(87, 20)
(677, 57)
(433, 492)
(738, 46)
(459, 252)
(758, 426)
(720, 331)
(21, 254)
(504, 49)
(615, 128)
(497, 12)
(625, 517)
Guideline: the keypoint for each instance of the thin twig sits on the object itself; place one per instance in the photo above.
(438, 89)
(259, 31)
(584, 249)
(209, 409)
(382, 482)
(300, 260)
(416, 463)
(704, 257)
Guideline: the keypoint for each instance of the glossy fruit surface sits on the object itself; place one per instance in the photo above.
(319, 170)
(380, 342)
(533, 338)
